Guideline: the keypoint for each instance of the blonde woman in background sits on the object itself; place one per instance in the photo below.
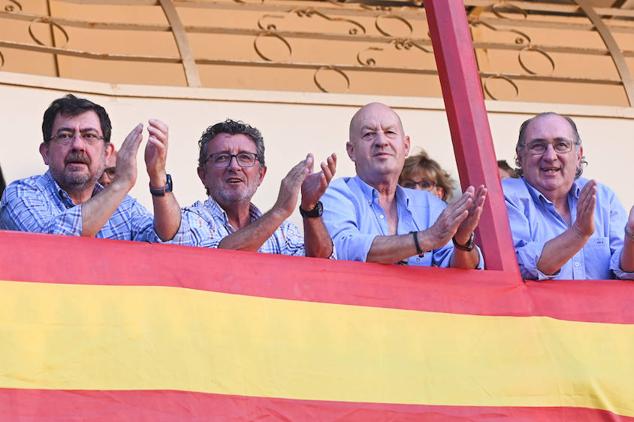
(423, 173)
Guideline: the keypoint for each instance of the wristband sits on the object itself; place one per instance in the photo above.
(467, 247)
(314, 213)
(419, 250)
(163, 190)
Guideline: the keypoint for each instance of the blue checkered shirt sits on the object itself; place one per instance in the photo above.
(37, 204)
(286, 240)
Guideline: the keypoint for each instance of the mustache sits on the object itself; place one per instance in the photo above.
(77, 157)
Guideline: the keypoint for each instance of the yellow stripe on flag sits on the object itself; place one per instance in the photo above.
(129, 338)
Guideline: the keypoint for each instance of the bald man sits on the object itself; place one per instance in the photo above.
(371, 218)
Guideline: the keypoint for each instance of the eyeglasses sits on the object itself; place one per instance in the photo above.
(424, 184)
(561, 146)
(66, 137)
(223, 159)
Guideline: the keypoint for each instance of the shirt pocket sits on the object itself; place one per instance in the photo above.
(597, 257)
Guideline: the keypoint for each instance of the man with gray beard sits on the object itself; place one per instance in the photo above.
(231, 167)
(67, 198)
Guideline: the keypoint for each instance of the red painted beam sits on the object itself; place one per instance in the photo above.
(469, 126)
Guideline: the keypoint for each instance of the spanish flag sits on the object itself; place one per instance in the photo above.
(99, 330)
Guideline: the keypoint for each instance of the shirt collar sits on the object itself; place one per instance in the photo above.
(216, 209)
(61, 193)
(575, 190)
(371, 194)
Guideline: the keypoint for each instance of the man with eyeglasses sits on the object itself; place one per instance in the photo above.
(67, 198)
(371, 218)
(231, 166)
(107, 177)
(564, 226)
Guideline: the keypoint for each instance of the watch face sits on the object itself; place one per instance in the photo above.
(168, 183)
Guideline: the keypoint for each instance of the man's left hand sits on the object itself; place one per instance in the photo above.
(156, 152)
(315, 184)
(473, 218)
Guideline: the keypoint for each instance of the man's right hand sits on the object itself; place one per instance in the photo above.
(448, 222)
(583, 225)
(290, 187)
(126, 168)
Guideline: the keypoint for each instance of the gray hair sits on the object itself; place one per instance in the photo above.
(231, 127)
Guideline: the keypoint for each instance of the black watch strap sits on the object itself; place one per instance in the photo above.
(163, 190)
(314, 213)
(467, 247)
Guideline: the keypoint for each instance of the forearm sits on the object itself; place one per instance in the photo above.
(317, 242)
(98, 209)
(560, 250)
(253, 236)
(167, 216)
(391, 249)
(467, 260)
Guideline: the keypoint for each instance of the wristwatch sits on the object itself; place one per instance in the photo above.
(163, 190)
(314, 213)
(467, 247)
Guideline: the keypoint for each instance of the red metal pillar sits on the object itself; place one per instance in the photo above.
(469, 126)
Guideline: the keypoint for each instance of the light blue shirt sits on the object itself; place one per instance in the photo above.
(37, 204)
(354, 217)
(534, 221)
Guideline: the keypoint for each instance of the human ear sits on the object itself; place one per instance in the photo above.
(44, 152)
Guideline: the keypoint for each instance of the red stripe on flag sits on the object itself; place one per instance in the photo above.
(164, 405)
(71, 260)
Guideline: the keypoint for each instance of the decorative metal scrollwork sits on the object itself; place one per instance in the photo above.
(496, 9)
(270, 34)
(399, 42)
(370, 61)
(488, 90)
(268, 27)
(408, 44)
(14, 4)
(539, 51)
(55, 25)
(377, 8)
(355, 29)
(521, 39)
(334, 69)
(380, 28)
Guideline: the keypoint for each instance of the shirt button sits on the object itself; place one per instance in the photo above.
(381, 216)
(577, 264)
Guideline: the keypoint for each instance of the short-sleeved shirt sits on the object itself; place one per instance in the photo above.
(37, 204)
(534, 221)
(354, 217)
(286, 240)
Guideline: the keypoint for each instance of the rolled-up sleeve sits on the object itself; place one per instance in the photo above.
(25, 207)
(527, 250)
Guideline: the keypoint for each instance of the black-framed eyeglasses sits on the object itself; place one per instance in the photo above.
(561, 146)
(66, 137)
(223, 159)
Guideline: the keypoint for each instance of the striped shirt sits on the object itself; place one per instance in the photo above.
(286, 240)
